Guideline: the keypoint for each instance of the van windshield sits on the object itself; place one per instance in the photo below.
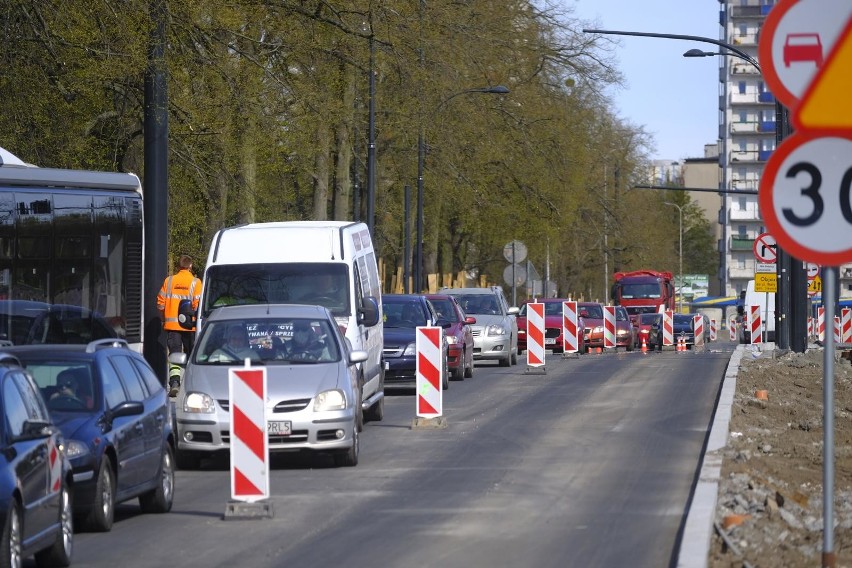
(323, 284)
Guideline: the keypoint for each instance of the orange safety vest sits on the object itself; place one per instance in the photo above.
(181, 286)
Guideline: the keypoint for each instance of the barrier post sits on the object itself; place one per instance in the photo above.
(570, 333)
(732, 329)
(535, 338)
(712, 329)
(755, 325)
(821, 324)
(697, 332)
(837, 332)
(429, 378)
(609, 328)
(249, 443)
(846, 325)
(668, 328)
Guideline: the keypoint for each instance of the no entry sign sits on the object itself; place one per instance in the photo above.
(765, 249)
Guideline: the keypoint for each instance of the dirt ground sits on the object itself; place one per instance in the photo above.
(772, 469)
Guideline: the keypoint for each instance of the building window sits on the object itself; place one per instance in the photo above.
(742, 204)
(741, 87)
(741, 231)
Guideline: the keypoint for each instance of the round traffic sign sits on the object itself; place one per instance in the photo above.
(795, 40)
(519, 272)
(515, 251)
(813, 270)
(765, 249)
(806, 197)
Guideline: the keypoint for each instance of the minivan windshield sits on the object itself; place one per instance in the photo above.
(323, 284)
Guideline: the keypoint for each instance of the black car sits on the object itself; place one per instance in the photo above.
(403, 313)
(35, 478)
(116, 419)
(682, 329)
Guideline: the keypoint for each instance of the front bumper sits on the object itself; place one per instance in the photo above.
(309, 430)
(400, 371)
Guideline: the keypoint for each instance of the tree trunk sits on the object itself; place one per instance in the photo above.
(343, 187)
(321, 173)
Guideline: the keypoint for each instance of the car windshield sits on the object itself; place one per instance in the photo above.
(403, 314)
(445, 309)
(324, 284)
(270, 340)
(480, 304)
(621, 315)
(647, 319)
(67, 386)
(683, 319)
(591, 312)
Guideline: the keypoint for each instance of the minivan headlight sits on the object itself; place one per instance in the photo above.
(199, 402)
(495, 329)
(330, 400)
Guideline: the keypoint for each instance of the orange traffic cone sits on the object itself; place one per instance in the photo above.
(644, 346)
(680, 344)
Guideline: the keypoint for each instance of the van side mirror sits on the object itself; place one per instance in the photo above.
(368, 315)
(186, 315)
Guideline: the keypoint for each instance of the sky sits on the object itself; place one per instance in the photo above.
(674, 98)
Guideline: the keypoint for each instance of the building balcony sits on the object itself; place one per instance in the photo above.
(846, 271)
(741, 273)
(745, 40)
(735, 214)
(745, 184)
(744, 69)
(751, 9)
(741, 244)
(745, 156)
(752, 98)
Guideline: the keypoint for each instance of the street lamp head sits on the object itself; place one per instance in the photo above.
(700, 53)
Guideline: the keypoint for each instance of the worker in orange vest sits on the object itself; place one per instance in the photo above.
(178, 287)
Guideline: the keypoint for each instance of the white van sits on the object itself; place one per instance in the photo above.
(327, 263)
(766, 301)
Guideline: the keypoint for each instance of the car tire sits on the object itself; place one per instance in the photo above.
(160, 500)
(376, 412)
(187, 460)
(349, 457)
(59, 553)
(101, 516)
(630, 346)
(468, 370)
(513, 358)
(10, 548)
(506, 361)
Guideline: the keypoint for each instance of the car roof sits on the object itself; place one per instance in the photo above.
(267, 310)
(403, 297)
(454, 291)
(74, 350)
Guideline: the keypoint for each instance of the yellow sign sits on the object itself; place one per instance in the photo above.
(826, 105)
(764, 282)
(815, 285)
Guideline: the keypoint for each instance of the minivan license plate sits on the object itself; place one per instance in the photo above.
(279, 428)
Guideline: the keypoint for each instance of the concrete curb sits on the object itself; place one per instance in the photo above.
(698, 529)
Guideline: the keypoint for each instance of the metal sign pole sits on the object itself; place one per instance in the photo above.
(828, 424)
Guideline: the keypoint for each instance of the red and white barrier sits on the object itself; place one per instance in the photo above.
(609, 327)
(846, 325)
(820, 331)
(698, 330)
(249, 439)
(810, 327)
(712, 330)
(732, 328)
(755, 325)
(838, 335)
(668, 327)
(430, 371)
(535, 334)
(55, 480)
(570, 333)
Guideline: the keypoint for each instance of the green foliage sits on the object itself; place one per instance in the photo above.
(268, 121)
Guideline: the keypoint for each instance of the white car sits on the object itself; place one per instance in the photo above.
(313, 395)
(495, 333)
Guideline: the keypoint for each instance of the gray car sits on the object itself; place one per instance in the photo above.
(495, 333)
(313, 395)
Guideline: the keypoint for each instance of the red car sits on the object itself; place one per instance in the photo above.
(625, 335)
(643, 328)
(456, 326)
(592, 314)
(552, 326)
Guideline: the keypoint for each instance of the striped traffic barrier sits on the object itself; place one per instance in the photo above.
(249, 438)
(732, 328)
(430, 371)
(698, 331)
(846, 325)
(810, 327)
(712, 329)
(570, 332)
(53, 457)
(609, 327)
(820, 330)
(535, 337)
(668, 328)
(837, 332)
(755, 325)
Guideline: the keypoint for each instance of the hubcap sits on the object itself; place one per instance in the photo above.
(106, 495)
(168, 477)
(15, 541)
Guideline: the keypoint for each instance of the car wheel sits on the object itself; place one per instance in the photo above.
(187, 459)
(459, 372)
(445, 380)
(468, 370)
(103, 509)
(630, 346)
(349, 457)
(10, 548)
(160, 500)
(376, 412)
(59, 553)
(506, 361)
(514, 357)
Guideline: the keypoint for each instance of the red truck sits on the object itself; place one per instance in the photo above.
(643, 291)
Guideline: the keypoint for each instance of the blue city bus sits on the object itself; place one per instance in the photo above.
(71, 255)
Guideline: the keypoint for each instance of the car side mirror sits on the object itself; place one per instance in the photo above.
(368, 315)
(513, 311)
(470, 320)
(186, 314)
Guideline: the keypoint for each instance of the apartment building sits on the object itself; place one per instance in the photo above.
(747, 136)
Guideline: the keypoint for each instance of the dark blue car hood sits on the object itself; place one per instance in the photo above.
(399, 335)
(72, 422)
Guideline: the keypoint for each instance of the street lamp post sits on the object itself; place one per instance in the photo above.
(421, 158)
(680, 255)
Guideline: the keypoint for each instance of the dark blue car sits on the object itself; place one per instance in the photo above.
(35, 476)
(402, 314)
(116, 419)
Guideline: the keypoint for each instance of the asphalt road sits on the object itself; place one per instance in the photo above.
(590, 464)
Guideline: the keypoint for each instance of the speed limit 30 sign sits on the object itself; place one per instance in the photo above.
(806, 197)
